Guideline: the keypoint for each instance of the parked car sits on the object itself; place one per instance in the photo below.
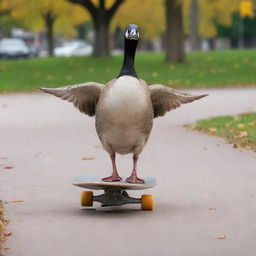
(73, 48)
(13, 48)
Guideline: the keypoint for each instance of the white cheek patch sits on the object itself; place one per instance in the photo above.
(127, 34)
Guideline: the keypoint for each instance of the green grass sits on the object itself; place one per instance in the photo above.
(233, 68)
(239, 130)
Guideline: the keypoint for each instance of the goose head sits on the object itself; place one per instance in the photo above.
(131, 32)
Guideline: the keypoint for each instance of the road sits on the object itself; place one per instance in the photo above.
(204, 200)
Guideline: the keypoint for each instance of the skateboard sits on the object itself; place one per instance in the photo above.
(115, 193)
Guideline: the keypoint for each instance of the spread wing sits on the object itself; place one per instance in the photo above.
(84, 96)
(165, 99)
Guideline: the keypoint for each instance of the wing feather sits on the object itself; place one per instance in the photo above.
(165, 98)
(84, 96)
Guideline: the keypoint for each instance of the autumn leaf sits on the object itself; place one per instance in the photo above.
(154, 74)
(241, 126)
(242, 134)
(220, 237)
(212, 129)
(14, 201)
(8, 167)
(88, 158)
(68, 77)
(49, 77)
(7, 234)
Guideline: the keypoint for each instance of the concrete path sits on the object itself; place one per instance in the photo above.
(206, 189)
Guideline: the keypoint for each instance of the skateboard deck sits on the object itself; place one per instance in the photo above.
(114, 192)
(97, 184)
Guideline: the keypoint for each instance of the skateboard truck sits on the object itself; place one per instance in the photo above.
(115, 198)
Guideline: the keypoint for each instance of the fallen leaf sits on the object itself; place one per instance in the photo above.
(212, 129)
(171, 67)
(242, 134)
(209, 58)
(8, 167)
(88, 158)
(3, 158)
(220, 237)
(7, 234)
(241, 126)
(154, 74)
(252, 124)
(14, 201)
(68, 77)
(212, 209)
(1, 225)
(49, 77)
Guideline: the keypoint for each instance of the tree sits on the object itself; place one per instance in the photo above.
(49, 18)
(194, 26)
(101, 17)
(49, 14)
(174, 31)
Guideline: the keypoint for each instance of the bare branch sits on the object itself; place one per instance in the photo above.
(114, 7)
(102, 4)
(87, 4)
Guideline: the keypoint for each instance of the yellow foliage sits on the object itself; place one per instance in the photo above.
(149, 15)
(31, 11)
(246, 8)
(211, 13)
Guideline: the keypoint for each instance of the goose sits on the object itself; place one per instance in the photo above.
(124, 108)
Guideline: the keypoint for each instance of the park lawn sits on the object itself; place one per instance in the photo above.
(233, 68)
(239, 130)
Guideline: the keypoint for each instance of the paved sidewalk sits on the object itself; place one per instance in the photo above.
(206, 189)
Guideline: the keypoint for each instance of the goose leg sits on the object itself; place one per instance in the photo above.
(115, 176)
(133, 178)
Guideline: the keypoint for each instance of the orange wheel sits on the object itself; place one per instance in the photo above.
(86, 198)
(147, 202)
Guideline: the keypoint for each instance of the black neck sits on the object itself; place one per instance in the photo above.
(129, 54)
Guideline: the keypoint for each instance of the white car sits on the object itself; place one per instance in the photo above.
(13, 48)
(73, 48)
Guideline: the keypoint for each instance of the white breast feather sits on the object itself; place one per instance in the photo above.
(126, 96)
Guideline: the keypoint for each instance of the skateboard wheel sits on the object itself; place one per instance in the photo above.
(147, 202)
(86, 198)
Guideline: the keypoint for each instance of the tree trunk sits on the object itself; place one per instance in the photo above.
(49, 19)
(101, 17)
(174, 31)
(195, 40)
(101, 41)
